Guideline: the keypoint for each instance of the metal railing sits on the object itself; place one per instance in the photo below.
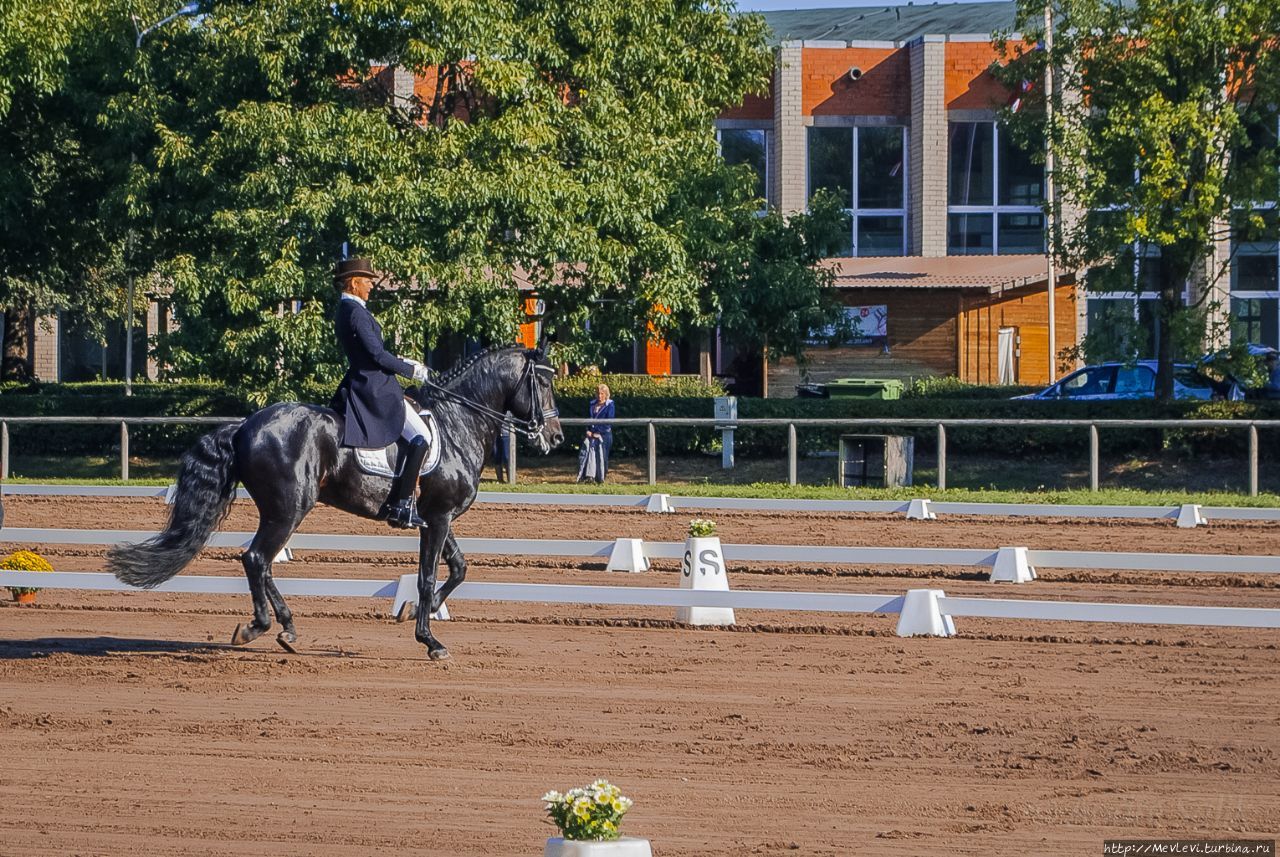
(1250, 427)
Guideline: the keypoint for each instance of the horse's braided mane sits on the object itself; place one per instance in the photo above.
(469, 363)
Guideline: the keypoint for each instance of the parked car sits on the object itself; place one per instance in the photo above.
(1269, 359)
(1128, 381)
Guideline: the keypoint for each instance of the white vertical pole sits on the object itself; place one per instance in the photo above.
(1050, 244)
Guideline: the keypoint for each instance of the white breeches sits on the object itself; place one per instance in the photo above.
(413, 424)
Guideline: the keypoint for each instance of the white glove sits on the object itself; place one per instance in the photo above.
(419, 371)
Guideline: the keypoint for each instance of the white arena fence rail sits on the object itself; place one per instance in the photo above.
(921, 612)
(1250, 427)
(1187, 514)
(1012, 564)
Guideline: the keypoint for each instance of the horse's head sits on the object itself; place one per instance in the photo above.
(533, 401)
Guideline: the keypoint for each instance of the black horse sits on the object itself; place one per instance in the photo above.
(290, 456)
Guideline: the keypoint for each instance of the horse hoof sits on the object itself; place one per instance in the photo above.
(408, 610)
(439, 654)
(286, 641)
(241, 635)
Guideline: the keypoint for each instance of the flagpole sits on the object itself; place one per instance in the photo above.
(1048, 186)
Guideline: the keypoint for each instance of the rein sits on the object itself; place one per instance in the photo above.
(530, 428)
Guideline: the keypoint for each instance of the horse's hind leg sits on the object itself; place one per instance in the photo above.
(270, 539)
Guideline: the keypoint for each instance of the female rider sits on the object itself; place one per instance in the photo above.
(370, 397)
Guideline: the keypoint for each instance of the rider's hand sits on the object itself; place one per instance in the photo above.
(419, 372)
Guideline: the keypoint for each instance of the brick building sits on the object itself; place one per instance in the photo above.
(895, 110)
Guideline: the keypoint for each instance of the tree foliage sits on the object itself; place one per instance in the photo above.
(545, 137)
(1163, 126)
(62, 242)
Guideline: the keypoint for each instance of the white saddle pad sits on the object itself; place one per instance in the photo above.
(381, 461)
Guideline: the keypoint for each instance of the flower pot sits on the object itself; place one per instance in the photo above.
(625, 846)
(24, 597)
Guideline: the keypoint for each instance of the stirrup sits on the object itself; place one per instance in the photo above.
(404, 515)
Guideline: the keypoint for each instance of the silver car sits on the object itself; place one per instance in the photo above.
(1125, 381)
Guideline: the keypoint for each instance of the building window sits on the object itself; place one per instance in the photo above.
(96, 352)
(994, 193)
(748, 146)
(1255, 279)
(865, 168)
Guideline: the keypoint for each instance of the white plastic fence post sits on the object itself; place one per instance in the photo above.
(660, 503)
(942, 457)
(1253, 460)
(124, 451)
(406, 594)
(791, 454)
(511, 456)
(921, 616)
(1093, 457)
(1190, 515)
(1012, 566)
(653, 455)
(920, 510)
(628, 555)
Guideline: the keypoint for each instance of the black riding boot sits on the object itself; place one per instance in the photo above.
(401, 511)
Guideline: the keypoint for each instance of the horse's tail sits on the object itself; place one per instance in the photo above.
(206, 487)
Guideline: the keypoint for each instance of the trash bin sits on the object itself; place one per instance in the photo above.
(875, 460)
(865, 388)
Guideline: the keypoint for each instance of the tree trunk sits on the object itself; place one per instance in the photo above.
(17, 364)
(1175, 270)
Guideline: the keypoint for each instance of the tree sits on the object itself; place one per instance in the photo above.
(60, 242)
(764, 281)
(1158, 108)
(543, 137)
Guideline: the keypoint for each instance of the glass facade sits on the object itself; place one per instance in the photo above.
(865, 167)
(1255, 277)
(748, 146)
(994, 193)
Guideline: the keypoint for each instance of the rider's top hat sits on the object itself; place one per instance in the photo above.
(353, 268)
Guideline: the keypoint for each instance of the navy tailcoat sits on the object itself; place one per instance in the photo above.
(369, 396)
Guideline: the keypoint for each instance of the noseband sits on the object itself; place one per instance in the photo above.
(531, 427)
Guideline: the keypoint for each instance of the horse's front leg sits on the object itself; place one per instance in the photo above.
(457, 571)
(431, 539)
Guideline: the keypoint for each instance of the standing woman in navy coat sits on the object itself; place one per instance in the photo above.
(602, 409)
(370, 397)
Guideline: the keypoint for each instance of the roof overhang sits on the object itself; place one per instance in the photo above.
(990, 274)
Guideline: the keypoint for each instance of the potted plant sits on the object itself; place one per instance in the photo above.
(588, 819)
(25, 561)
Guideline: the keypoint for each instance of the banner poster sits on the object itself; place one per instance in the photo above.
(862, 326)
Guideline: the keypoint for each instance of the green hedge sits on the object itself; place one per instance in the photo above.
(638, 386)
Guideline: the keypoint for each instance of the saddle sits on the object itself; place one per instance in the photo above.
(381, 461)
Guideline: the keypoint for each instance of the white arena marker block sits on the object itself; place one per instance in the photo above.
(1190, 515)
(407, 593)
(628, 555)
(1012, 566)
(920, 510)
(703, 568)
(660, 503)
(921, 616)
(285, 555)
(170, 493)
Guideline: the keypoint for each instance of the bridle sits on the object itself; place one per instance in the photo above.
(538, 417)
